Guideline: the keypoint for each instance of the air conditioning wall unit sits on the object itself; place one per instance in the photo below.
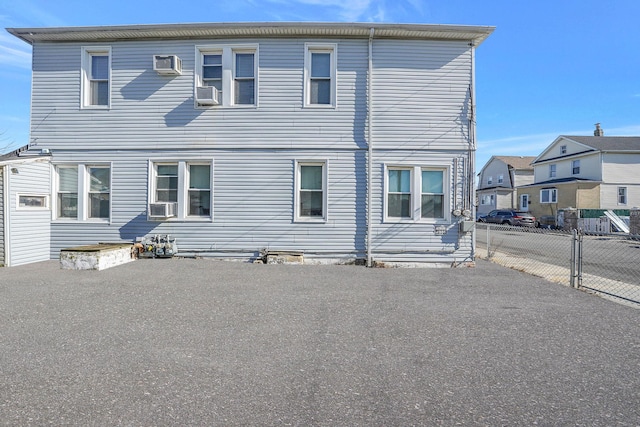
(167, 64)
(207, 95)
(162, 210)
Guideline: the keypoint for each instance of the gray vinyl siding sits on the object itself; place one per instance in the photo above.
(415, 240)
(2, 205)
(29, 229)
(253, 205)
(420, 115)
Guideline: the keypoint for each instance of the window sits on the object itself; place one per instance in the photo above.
(549, 195)
(432, 194)
(320, 75)
(500, 179)
(83, 192)
(68, 192)
(232, 70)
(96, 86)
(490, 180)
(244, 81)
(575, 167)
(99, 191)
(399, 193)
(311, 193)
(33, 201)
(622, 195)
(187, 184)
(417, 193)
(199, 190)
(563, 149)
(552, 171)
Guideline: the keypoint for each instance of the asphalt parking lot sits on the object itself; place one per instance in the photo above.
(201, 342)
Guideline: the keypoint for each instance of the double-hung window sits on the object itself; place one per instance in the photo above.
(232, 70)
(399, 193)
(417, 193)
(99, 191)
(575, 167)
(549, 195)
(320, 75)
(552, 171)
(500, 179)
(622, 195)
(83, 192)
(244, 81)
(490, 180)
(96, 80)
(432, 194)
(187, 185)
(311, 191)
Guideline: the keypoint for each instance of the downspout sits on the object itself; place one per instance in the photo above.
(5, 214)
(369, 152)
(472, 147)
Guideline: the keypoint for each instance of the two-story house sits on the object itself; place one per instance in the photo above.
(585, 172)
(497, 182)
(340, 141)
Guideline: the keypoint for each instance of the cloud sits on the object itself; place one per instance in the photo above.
(353, 10)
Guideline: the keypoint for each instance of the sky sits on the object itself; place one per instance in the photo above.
(551, 67)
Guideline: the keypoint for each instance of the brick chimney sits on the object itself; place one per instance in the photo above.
(598, 131)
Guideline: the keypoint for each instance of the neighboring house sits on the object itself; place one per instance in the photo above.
(25, 214)
(340, 141)
(497, 182)
(585, 172)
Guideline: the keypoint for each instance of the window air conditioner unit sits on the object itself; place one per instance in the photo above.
(162, 210)
(167, 64)
(207, 95)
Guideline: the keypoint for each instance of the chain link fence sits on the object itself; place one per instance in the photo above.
(608, 265)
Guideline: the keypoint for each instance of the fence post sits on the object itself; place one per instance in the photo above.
(488, 243)
(579, 258)
(572, 279)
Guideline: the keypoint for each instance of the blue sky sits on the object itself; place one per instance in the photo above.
(552, 67)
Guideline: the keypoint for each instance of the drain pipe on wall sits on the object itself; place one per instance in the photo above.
(369, 152)
(472, 148)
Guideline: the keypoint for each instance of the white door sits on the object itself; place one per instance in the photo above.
(524, 202)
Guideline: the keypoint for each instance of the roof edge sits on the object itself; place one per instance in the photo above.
(477, 34)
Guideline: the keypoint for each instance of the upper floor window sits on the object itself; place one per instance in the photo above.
(232, 70)
(500, 179)
(490, 180)
(563, 149)
(83, 192)
(320, 75)
(552, 171)
(575, 167)
(96, 81)
(622, 195)
(311, 191)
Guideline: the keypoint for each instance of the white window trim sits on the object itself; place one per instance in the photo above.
(416, 194)
(553, 170)
(85, 85)
(325, 190)
(626, 196)
(33, 208)
(489, 180)
(553, 195)
(83, 192)
(228, 52)
(183, 189)
(563, 149)
(332, 49)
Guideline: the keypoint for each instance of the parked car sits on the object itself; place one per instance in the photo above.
(509, 217)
